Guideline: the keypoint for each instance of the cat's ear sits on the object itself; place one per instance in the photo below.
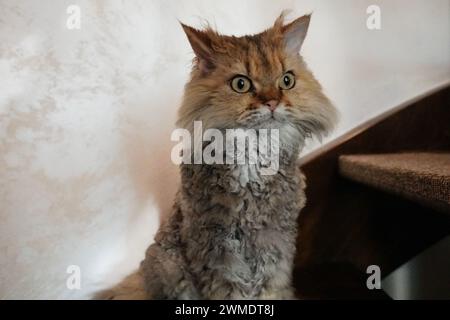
(294, 33)
(202, 45)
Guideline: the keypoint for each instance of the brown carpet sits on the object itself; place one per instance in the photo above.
(423, 177)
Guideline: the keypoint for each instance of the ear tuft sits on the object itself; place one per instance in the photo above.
(295, 33)
(201, 43)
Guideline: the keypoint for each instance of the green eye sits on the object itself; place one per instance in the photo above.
(287, 81)
(241, 84)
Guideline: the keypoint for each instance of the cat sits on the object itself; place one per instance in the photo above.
(232, 235)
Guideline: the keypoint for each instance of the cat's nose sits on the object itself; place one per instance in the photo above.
(272, 104)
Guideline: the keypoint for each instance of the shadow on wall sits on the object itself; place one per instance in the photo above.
(150, 168)
(147, 148)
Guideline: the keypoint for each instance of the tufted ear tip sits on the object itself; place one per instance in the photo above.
(295, 33)
(201, 43)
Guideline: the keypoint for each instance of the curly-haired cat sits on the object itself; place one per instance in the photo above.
(232, 233)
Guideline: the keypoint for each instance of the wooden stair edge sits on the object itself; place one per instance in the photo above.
(349, 135)
(421, 177)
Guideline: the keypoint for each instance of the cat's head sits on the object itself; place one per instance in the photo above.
(256, 81)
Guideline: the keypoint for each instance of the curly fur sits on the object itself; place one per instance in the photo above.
(229, 237)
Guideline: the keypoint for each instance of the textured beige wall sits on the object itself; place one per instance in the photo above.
(86, 115)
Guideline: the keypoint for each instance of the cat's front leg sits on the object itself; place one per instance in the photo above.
(278, 276)
(285, 293)
(223, 276)
(166, 276)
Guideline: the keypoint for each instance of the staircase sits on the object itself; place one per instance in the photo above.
(419, 176)
(380, 196)
(423, 177)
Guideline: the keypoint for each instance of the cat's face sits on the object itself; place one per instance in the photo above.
(257, 81)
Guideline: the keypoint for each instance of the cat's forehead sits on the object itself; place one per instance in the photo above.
(258, 57)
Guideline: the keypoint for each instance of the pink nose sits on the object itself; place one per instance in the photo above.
(272, 104)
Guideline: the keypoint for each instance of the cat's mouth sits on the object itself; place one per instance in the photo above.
(272, 121)
(264, 118)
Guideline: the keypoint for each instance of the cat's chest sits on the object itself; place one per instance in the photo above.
(258, 249)
(265, 220)
(271, 203)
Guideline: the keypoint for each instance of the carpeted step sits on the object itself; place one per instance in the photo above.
(419, 176)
